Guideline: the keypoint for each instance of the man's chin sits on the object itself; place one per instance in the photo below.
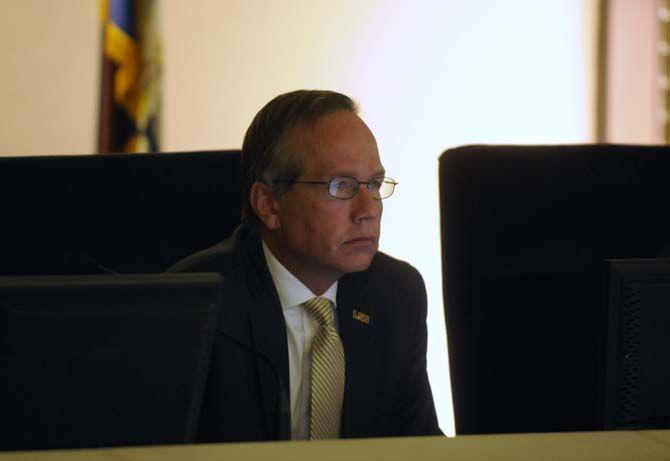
(358, 263)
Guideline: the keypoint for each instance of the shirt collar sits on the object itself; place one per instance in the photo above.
(292, 292)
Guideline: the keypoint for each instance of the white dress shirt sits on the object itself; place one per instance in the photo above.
(300, 331)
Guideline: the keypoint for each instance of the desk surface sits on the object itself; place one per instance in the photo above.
(611, 446)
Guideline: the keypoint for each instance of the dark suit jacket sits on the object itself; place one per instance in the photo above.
(386, 386)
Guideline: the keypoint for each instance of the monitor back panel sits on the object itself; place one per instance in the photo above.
(94, 361)
(636, 346)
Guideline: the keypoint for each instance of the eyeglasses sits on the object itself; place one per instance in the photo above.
(346, 187)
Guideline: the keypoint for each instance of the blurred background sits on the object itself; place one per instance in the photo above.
(428, 75)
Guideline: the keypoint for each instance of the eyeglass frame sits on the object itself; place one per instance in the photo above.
(329, 183)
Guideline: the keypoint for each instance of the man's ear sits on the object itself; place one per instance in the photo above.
(264, 204)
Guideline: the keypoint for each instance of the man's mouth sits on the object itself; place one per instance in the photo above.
(362, 241)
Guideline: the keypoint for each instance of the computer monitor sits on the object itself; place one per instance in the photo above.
(635, 352)
(104, 360)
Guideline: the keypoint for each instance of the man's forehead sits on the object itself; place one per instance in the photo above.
(362, 163)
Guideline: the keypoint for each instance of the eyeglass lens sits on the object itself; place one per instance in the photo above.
(346, 187)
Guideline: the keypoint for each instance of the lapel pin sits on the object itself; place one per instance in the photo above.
(361, 316)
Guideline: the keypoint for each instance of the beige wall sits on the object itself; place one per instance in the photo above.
(633, 96)
(428, 75)
(48, 82)
(224, 60)
(215, 52)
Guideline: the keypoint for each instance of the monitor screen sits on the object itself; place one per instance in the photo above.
(635, 353)
(104, 360)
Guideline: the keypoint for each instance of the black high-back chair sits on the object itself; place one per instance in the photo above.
(114, 213)
(525, 230)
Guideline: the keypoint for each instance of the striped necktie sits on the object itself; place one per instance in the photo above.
(327, 380)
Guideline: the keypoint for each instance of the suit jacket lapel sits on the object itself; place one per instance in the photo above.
(268, 333)
(357, 314)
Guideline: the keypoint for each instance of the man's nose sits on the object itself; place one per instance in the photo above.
(364, 205)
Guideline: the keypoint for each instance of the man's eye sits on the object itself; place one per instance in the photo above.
(375, 184)
(343, 185)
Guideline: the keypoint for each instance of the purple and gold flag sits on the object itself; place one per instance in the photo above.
(130, 90)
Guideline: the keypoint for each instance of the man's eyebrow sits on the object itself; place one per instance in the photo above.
(351, 174)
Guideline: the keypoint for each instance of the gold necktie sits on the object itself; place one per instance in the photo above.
(327, 373)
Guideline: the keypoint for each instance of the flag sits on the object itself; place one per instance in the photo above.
(130, 89)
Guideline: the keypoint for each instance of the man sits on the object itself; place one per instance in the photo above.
(308, 299)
